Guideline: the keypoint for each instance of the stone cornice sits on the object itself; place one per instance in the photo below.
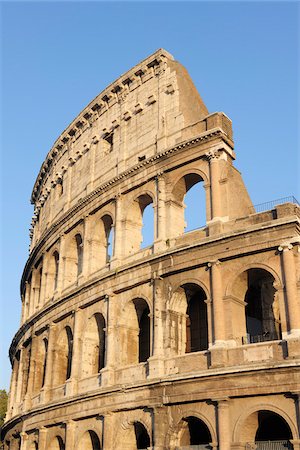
(101, 102)
(203, 137)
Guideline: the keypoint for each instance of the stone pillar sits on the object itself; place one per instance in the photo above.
(70, 435)
(291, 295)
(160, 425)
(107, 373)
(61, 267)
(77, 345)
(19, 379)
(118, 232)
(42, 438)
(28, 390)
(24, 440)
(217, 303)
(87, 242)
(215, 191)
(46, 390)
(161, 215)
(224, 426)
(156, 361)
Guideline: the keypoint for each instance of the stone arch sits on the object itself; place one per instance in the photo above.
(93, 347)
(177, 212)
(192, 429)
(257, 310)
(101, 240)
(56, 443)
(134, 221)
(52, 273)
(137, 330)
(244, 267)
(40, 364)
(134, 433)
(73, 258)
(247, 425)
(89, 441)
(63, 357)
(188, 319)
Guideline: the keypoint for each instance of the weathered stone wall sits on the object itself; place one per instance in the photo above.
(125, 347)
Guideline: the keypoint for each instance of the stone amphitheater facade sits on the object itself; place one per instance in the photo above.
(190, 343)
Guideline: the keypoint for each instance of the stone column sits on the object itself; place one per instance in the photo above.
(118, 232)
(107, 373)
(156, 361)
(161, 215)
(29, 389)
(70, 435)
(87, 242)
(61, 267)
(42, 438)
(217, 303)
(46, 390)
(160, 426)
(224, 425)
(77, 345)
(215, 191)
(291, 295)
(24, 440)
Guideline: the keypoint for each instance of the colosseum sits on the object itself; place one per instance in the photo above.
(191, 342)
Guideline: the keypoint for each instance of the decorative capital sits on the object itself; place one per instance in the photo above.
(213, 155)
(215, 262)
(285, 246)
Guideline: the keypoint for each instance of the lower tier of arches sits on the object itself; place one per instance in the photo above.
(261, 422)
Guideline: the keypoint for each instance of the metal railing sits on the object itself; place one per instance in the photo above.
(265, 337)
(270, 445)
(195, 447)
(271, 204)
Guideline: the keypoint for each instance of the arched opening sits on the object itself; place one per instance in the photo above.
(195, 204)
(26, 357)
(89, 441)
(194, 432)
(268, 430)
(63, 357)
(196, 321)
(141, 436)
(73, 259)
(108, 231)
(79, 247)
(262, 309)
(148, 226)
(142, 312)
(139, 224)
(45, 360)
(52, 274)
(93, 349)
(187, 208)
(40, 361)
(56, 444)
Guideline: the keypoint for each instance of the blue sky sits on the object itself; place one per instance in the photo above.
(57, 56)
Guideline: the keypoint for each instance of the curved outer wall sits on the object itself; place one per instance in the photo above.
(109, 353)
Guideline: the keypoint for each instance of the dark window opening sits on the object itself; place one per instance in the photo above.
(95, 440)
(101, 334)
(45, 360)
(272, 427)
(141, 435)
(79, 246)
(70, 352)
(56, 264)
(109, 236)
(198, 431)
(262, 312)
(196, 321)
(143, 312)
(109, 139)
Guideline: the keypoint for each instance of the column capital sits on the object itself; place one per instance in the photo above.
(214, 262)
(285, 246)
(213, 155)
